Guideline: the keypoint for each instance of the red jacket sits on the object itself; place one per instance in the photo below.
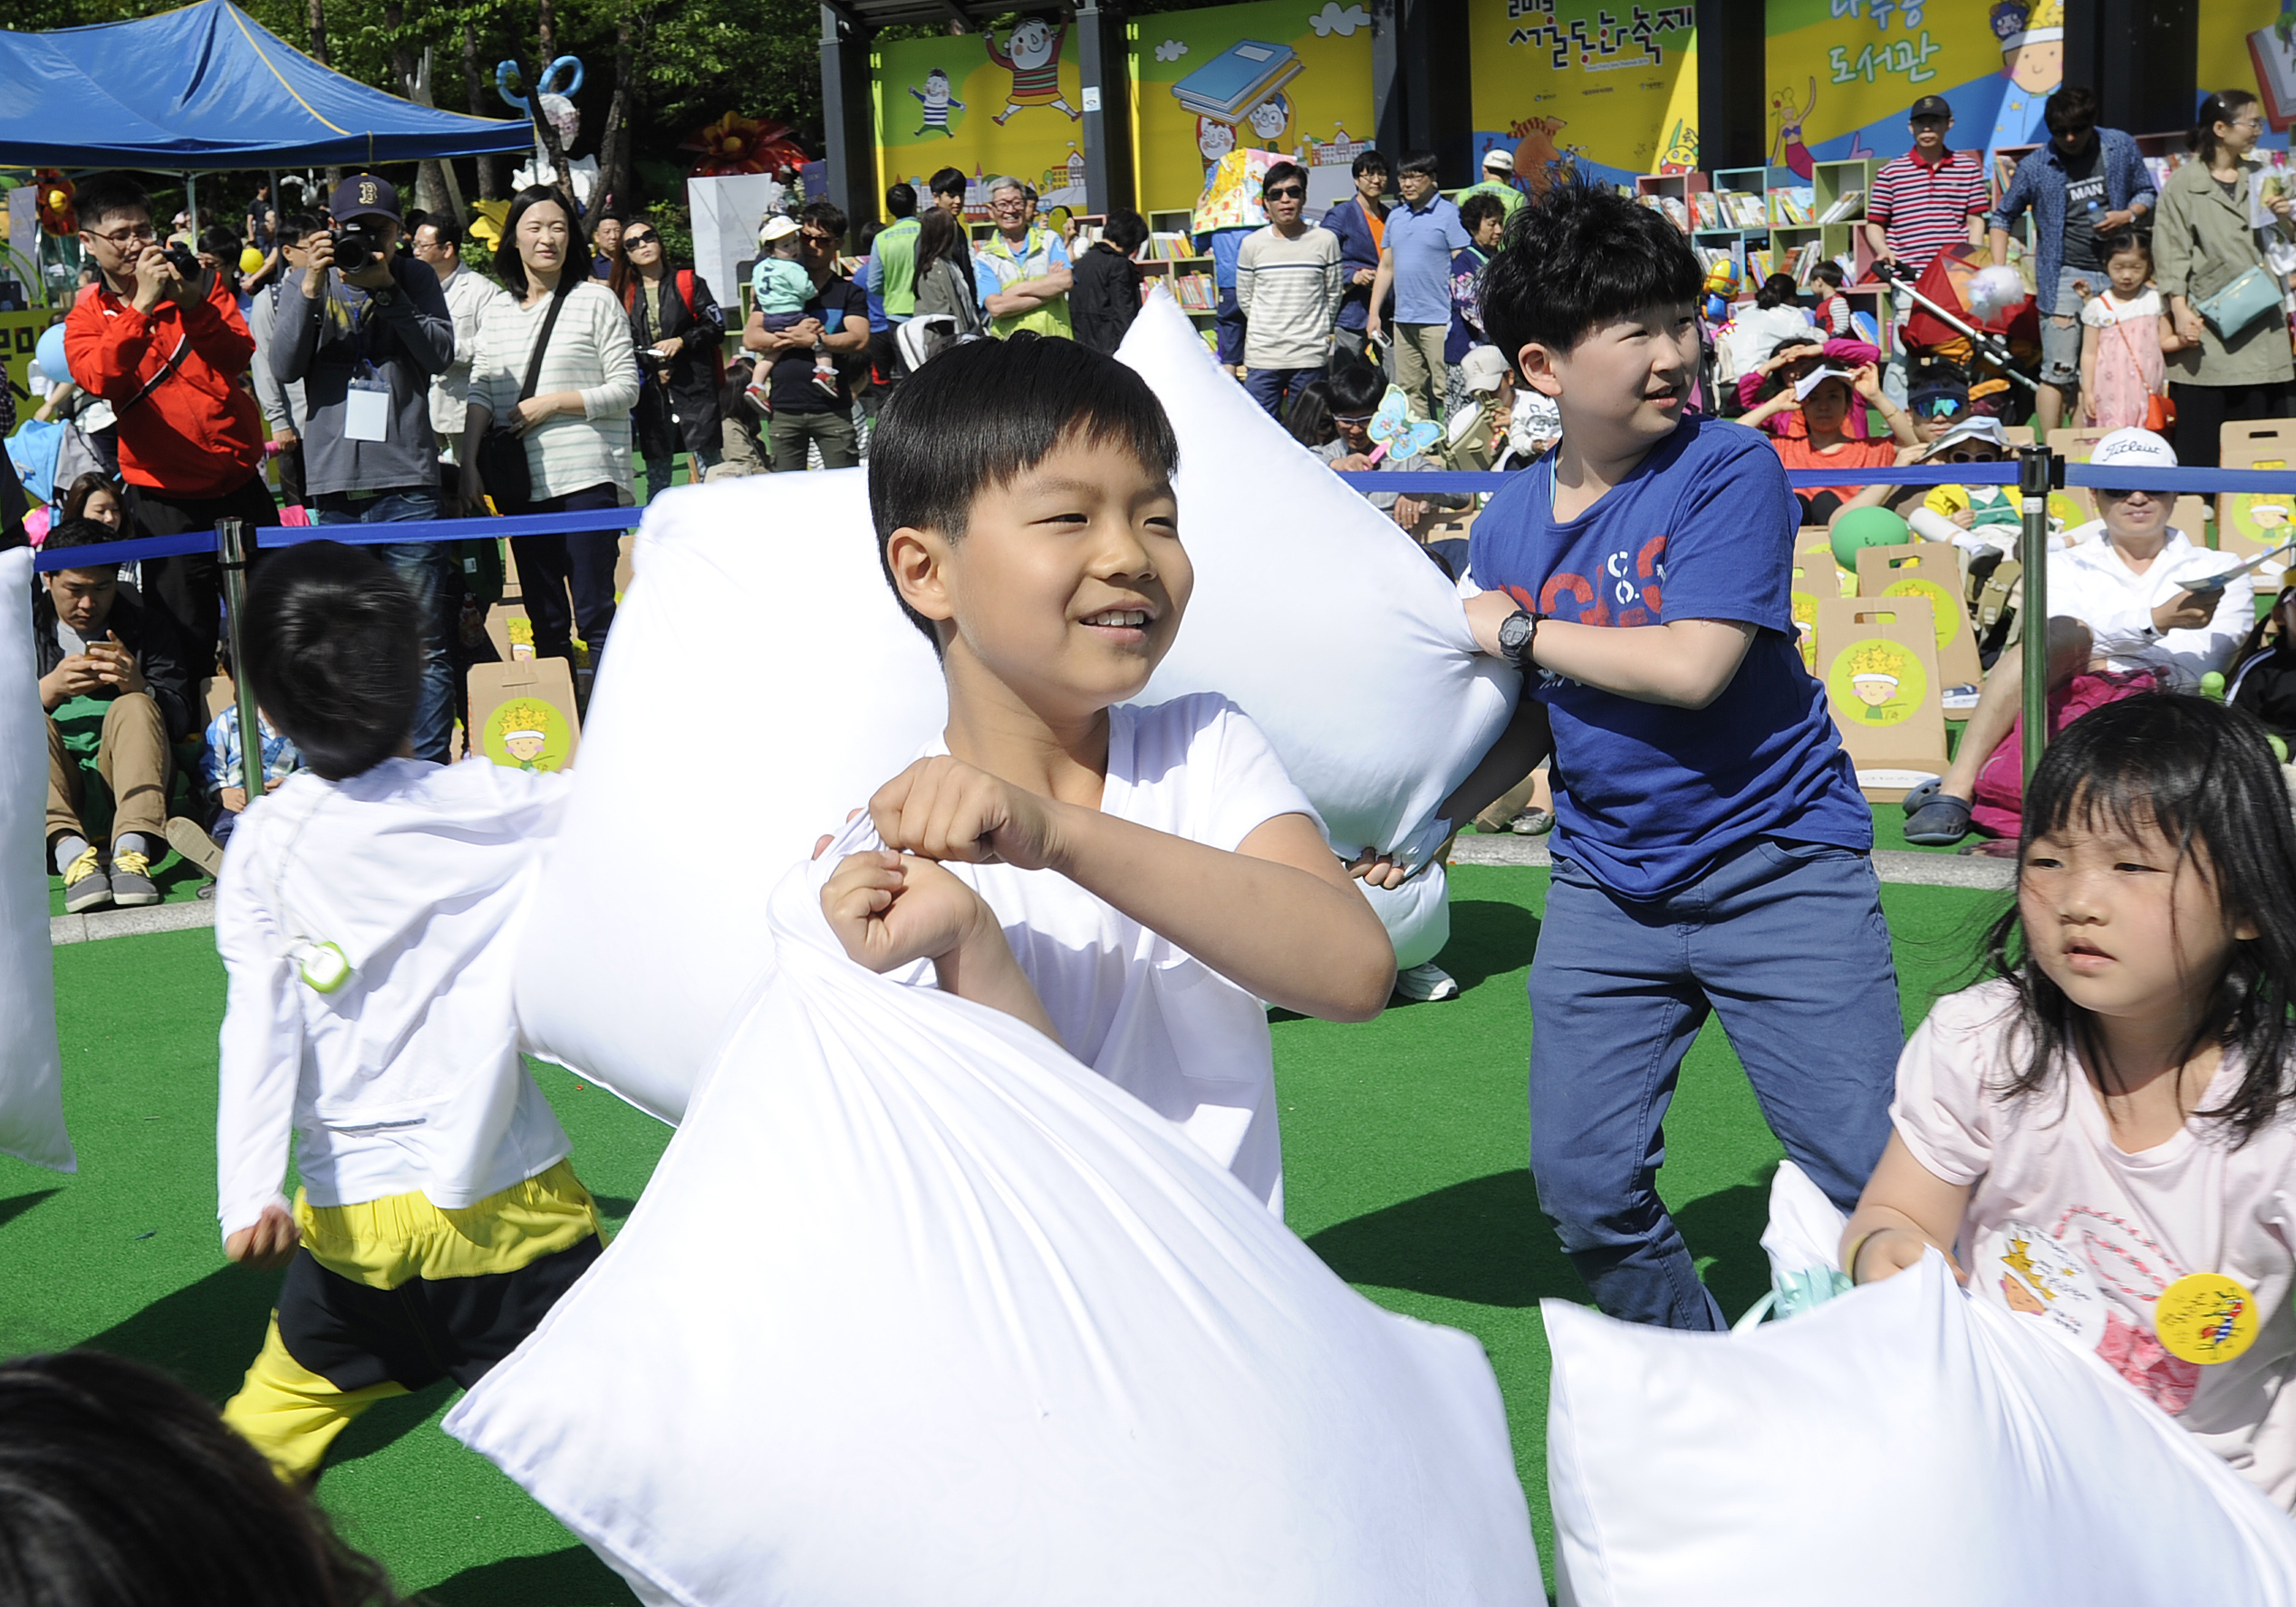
(197, 432)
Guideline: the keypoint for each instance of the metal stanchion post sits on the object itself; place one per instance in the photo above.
(2035, 467)
(231, 557)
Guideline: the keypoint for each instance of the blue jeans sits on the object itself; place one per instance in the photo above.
(422, 565)
(1786, 941)
(1269, 387)
(1228, 322)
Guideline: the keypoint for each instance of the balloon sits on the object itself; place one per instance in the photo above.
(1866, 527)
(49, 355)
(250, 260)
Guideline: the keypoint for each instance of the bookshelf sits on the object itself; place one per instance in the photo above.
(1171, 255)
(1734, 220)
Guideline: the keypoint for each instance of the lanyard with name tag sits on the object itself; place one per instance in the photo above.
(366, 411)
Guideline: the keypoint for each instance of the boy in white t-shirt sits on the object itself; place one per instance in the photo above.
(1130, 881)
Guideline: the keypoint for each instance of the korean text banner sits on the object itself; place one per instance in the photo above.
(1292, 76)
(1844, 74)
(1586, 87)
(1002, 100)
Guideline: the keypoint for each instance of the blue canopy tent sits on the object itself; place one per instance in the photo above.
(207, 89)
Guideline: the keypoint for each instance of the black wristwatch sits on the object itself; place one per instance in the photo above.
(1517, 634)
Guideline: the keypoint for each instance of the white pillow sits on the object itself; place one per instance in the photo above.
(31, 1065)
(1417, 916)
(917, 1309)
(761, 680)
(1902, 1445)
(1313, 613)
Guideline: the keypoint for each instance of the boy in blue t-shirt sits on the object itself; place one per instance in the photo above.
(1711, 845)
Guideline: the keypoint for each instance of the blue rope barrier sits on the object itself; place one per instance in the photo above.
(126, 551)
(357, 535)
(2185, 482)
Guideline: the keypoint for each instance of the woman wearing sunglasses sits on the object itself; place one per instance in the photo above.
(679, 335)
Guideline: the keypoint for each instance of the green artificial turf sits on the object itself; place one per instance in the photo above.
(1404, 1147)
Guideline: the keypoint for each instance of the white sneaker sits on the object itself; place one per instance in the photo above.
(1426, 981)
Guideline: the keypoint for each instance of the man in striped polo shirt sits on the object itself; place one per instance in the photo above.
(1288, 286)
(1923, 201)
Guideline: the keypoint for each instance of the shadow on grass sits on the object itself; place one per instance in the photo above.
(1728, 1226)
(574, 1577)
(16, 1205)
(205, 1333)
(1483, 1241)
(386, 1422)
(1488, 939)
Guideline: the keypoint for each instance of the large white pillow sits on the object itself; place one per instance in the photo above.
(917, 1311)
(761, 682)
(30, 1066)
(1901, 1445)
(1313, 613)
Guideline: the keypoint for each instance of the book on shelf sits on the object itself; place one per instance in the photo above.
(1805, 261)
(1792, 206)
(1744, 209)
(1167, 246)
(1195, 293)
(1846, 208)
(1705, 210)
(1671, 208)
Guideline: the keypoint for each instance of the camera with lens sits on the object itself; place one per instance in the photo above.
(182, 259)
(356, 250)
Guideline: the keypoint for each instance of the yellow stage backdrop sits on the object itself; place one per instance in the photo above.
(1286, 75)
(1589, 87)
(998, 102)
(2251, 44)
(1844, 72)
(19, 334)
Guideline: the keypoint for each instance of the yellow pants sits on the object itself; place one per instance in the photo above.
(390, 1295)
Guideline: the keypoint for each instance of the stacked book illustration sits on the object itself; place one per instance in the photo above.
(1237, 79)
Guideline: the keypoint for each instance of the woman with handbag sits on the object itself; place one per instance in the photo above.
(2224, 301)
(552, 386)
(679, 335)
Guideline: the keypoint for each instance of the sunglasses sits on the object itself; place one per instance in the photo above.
(1971, 457)
(642, 238)
(1288, 192)
(1357, 420)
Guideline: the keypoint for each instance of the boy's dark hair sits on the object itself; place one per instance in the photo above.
(1829, 274)
(1367, 161)
(119, 1488)
(1576, 256)
(1421, 162)
(1308, 416)
(948, 181)
(1777, 291)
(2072, 106)
(2202, 775)
(81, 532)
(901, 200)
(1281, 173)
(985, 412)
(445, 227)
(1126, 230)
(334, 652)
(299, 227)
(1476, 208)
(1354, 389)
(108, 195)
(827, 214)
(217, 241)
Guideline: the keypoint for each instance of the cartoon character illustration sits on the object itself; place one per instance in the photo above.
(2019, 1297)
(1031, 53)
(2032, 58)
(1538, 163)
(1882, 676)
(1269, 119)
(525, 732)
(1874, 688)
(938, 104)
(1681, 154)
(1397, 433)
(1786, 150)
(1214, 140)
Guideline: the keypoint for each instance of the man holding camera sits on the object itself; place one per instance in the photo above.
(366, 329)
(163, 342)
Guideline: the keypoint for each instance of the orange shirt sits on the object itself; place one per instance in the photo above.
(1798, 453)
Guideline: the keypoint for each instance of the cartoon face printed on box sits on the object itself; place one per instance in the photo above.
(1881, 675)
(528, 734)
(1269, 119)
(1214, 140)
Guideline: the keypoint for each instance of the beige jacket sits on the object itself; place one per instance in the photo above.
(2201, 243)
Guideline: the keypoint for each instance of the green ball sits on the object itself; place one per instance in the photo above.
(1866, 527)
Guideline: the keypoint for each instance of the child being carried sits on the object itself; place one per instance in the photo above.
(780, 287)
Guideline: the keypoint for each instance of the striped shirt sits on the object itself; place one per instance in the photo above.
(1289, 290)
(590, 351)
(1926, 208)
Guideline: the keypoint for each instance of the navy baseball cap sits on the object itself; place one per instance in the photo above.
(363, 195)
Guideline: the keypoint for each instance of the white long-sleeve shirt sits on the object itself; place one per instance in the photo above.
(590, 351)
(468, 298)
(2089, 582)
(407, 1077)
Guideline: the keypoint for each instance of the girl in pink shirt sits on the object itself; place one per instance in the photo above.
(2099, 1139)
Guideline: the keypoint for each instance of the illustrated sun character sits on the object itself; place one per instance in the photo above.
(526, 731)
